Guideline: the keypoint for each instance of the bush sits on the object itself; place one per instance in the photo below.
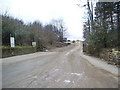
(13, 51)
(91, 50)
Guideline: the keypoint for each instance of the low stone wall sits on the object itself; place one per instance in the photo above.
(112, 56)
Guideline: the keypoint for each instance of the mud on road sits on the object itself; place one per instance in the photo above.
(61, 68)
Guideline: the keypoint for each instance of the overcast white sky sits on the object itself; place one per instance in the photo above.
(46, 10)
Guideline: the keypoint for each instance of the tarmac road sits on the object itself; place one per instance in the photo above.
(61, 68)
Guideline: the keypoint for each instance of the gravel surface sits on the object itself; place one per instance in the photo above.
(65, 67)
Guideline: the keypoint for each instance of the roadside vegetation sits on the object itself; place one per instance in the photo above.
(102, 31)
(46, 36)
(19, 50)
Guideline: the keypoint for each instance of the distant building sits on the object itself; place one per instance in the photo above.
(77, 40)
(64, 39)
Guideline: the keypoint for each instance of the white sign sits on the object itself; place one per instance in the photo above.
(33, 43)
(12, 41)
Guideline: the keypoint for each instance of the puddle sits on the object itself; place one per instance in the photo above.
(56, 70)
(67, 81)
(35, 77)
(47, 78)
(29, 75)
(77, 74)
(57, 80)
(67, 53)
(73, 82)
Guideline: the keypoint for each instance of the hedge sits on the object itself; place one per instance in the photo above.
(18, 50)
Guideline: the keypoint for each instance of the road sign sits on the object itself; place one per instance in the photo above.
(12, 41)
(33, 43)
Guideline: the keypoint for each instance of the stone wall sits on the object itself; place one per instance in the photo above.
(112, 56)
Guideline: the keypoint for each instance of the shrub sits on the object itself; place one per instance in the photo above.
(18, 50)
(91, 50)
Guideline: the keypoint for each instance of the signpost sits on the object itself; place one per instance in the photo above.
(12, 41)
(33, 44)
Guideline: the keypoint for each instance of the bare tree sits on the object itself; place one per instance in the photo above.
(61, 30)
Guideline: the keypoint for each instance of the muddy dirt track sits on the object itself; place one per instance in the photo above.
(61, 68)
